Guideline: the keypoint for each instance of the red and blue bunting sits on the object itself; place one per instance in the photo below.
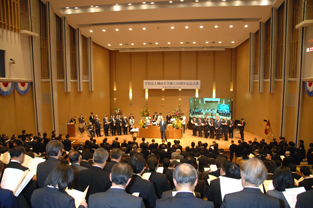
(6, 88)
(309, 88)
(22, 87)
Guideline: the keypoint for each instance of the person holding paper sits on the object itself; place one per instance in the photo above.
(163, 127)
(116, 196)
(185, 180)
(253, 173)
(242, 128)
(282, 179)
(53, 194)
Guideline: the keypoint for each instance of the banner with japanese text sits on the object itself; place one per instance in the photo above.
(171, 84)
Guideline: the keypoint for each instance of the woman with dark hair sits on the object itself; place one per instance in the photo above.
(282, 179)
(53, 195)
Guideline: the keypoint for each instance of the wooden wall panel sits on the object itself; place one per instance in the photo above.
(171, 65)
(188, 65)
(205, 66)
(306, 118)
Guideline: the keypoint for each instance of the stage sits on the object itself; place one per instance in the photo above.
(186, 139)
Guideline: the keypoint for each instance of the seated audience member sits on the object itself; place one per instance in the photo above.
(53, 194)
(115, 155)
(137, 184)
(168, 172)
(282, 179)
(54, 151)
(253, 173)
(288, 159)
(293, 169)
(94, 177)
(120, 176)
(67, 143)
(219, 161)
(304, 199)
(75, 160)
(159, 180)
(271, 167)
(185, 180)
(86, 159)
(308, 180)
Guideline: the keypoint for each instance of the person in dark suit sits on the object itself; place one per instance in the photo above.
(92, 118)
(304, 199)
(86, 159)
(112, 125)
(194, 126)
(53, 194)
(125, 124)
(253, 173)
(7, 199)
(118, 125)
(185, 180)
(155, 117)
(231, 128)
(116, 196)
(288, 159)
(91, 130)
(67, 143)
(232, 149)
(226, 128)
(168, 118)
(163, 128)
(75, 160)
(97, 127)
(242, 128)
(115, 155)
(137, 184)
(217, 127)
(168, 172)
(94, 177)
(54, 151)
(308, 180)
(106, 125)
(159, 180)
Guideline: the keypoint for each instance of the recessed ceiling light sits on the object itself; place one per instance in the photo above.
(144, 28)
(170, 2)
(196, 0)
(207, 42)
(121, 44)
(132, 44)
(233, 42)
(181, 42)
(219, 41)
(168, 42)
(116, 29)
(201, 26)
(96, 6)
(103, 30)
(66, 7)
(109, 44)
(231, 26)
(144, 43)
(152, 2)
(90, 30)
(144, 2)
(92, 11)
(172, 27)
(91, 5)
(223, 0)
(116, 4)
(246, 25)
(129, 4)
(130, 28)
(216, 26)
(194, 42)
(181, 0)
(186, 27)
(156, 43)
(76, 7)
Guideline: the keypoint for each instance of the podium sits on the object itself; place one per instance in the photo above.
(71, 130)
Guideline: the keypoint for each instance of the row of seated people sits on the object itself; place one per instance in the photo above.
(96, 175)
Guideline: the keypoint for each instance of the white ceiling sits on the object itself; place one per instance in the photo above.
(160, 16)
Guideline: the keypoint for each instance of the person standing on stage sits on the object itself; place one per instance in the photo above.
(106, 124)
(211, 126)
(163, 128)
(183, 121)
(159, 118)
(242, 128)
(97, 126)
(194, 127)
(131, 115)
(118, 125)
(112, 125)
(168, 118)
(73, 120)
(206, 126)
(217, 127)
(231, 128)
(200, 126)
(131, 123)
(226, 128)
(125, 125)
(81, 124)
(155, 117)
(92, 118)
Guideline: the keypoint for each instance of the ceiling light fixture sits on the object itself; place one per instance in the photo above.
(207, 42)
(197, 1)
(129, 4)
(144, 43)
(156, 43)
(168, 42)
(132, 44)
(144, 2)
(152, 2)
(171, 2)
(144, 28)
(219, 41)
(181, 42)
(90, 30)
(172, 27)
(116, 29)
(91, 6)
(121, 44)
(130, 28)
(233, 42)
(201, 26)
(216, 26)
(194, 42)
(109, 44)
(76, 7)
(96, 6)
(103, 30)
(246, 26)
(231, 26)
(186, 27)
(181, 0)
(66, 7)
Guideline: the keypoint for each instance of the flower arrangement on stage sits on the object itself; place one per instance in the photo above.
(177, 113)
(118, 111)
(177, 124)
(143, 123)
(145, 112)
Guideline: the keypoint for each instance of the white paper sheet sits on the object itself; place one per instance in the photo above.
(5, 157)
(230, 185)
(78, 196)
(213, 167)
(291, 195)
(146, 176)
(160, 170)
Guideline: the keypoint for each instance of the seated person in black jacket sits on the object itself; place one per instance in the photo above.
(308, 180)
(53, 194)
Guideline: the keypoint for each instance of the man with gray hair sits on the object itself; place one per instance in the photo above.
(121, 174)
(185, 180)
(95, 177)
(253, 173)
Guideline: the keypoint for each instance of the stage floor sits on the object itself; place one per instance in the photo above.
(184, 141)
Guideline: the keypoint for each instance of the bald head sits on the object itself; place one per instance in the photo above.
(185, 177)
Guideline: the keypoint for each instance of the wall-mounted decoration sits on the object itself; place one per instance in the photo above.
(309, 88)
(22, 87)
(6, 88)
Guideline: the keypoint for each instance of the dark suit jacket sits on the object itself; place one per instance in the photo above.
(214, 193)
(52, 198)
(145, 188)
(160, 183)
(304, 199)
(307, 183)
(7, 199)
(96, 178)
(116, 198)
(169, 174)
(183, 200)
(44, 169)
(163, 127)
(109, 166)
(85, 164)
(67, 144)
(249, 197)
(77, 168)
